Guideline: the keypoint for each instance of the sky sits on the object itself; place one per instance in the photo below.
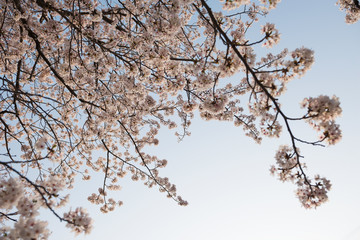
(225, 175)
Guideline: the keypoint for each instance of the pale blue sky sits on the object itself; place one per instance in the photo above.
(224, 175)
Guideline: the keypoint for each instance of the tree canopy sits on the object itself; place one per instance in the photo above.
(88, 76)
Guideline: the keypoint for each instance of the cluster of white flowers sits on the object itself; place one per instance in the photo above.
(203, 82)
(272, 35)
(322, 111)
(272, 129)
(10, 193)
(12, 197)
(322, 108)
(303, 58)
(310, 195)
(286, 160)
(352, 9)
(79, 221)
(215, 105)
(321, 114)
(330, 131)
(271, 3)
(54, 184)
(28, 228)
(233, 4)
(238, 34)
(28, 207)
(189, 107)
(108, 205)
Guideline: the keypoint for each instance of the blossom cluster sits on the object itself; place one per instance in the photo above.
(234, 4)
(310, 192)
(313, 195)
(10, 193)
(272, 35)
(351, 8)
(78, 220)
(13, 198)
(27, 227)
(322, 111)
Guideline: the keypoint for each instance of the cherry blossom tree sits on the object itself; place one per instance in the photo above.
(84, 76)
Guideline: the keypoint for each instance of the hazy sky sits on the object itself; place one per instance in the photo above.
(225, 175)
